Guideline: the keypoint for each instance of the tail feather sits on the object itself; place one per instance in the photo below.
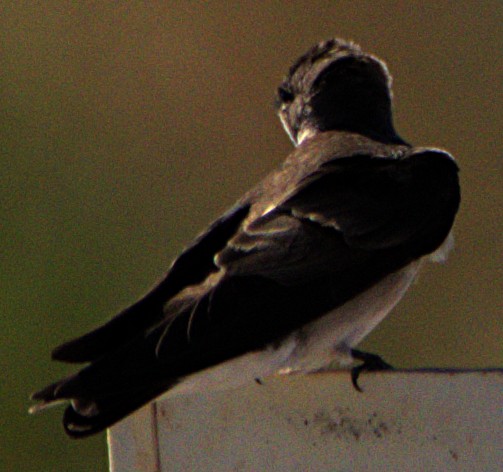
(85, 416)
(109, 389)
(46, 398)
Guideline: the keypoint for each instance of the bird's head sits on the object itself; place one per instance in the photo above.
(336, 86)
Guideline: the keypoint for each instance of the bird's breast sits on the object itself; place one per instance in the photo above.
(332, 336)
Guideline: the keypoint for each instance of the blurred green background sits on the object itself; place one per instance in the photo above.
(126, 127)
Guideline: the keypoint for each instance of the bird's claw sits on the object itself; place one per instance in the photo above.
(370, 362)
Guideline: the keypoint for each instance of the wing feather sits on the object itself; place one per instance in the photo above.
(191, 267)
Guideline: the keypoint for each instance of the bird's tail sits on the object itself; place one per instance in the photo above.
(88, 414)
(108, 389)
(84, 417)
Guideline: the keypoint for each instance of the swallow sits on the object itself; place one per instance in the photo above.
(297, 272)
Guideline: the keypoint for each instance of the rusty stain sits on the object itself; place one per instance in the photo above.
(371, 418)
(342, 424)
(383, 426)
(453, 454)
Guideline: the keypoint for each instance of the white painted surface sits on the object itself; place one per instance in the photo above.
(132, 444)
(404, 421)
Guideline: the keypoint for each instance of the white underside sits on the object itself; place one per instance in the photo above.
(317, 344)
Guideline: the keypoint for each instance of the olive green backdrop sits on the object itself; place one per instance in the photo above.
(126, 127)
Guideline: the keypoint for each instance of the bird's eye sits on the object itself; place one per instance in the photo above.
(285, 95)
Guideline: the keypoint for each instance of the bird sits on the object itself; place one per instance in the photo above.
(297, 272)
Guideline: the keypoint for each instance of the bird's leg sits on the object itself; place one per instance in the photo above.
(370, 362)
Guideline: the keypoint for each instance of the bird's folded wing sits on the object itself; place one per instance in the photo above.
(378, 203)
(348, 223)
(350, 208)
(191, 267)
(345, 227)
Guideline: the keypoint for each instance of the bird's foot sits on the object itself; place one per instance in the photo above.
(370, 362)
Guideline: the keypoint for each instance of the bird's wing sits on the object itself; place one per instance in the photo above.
(405, 203)
(191, 267)
(409, 199)
(340, 230)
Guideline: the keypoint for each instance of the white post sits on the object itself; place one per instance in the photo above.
(404, 421)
